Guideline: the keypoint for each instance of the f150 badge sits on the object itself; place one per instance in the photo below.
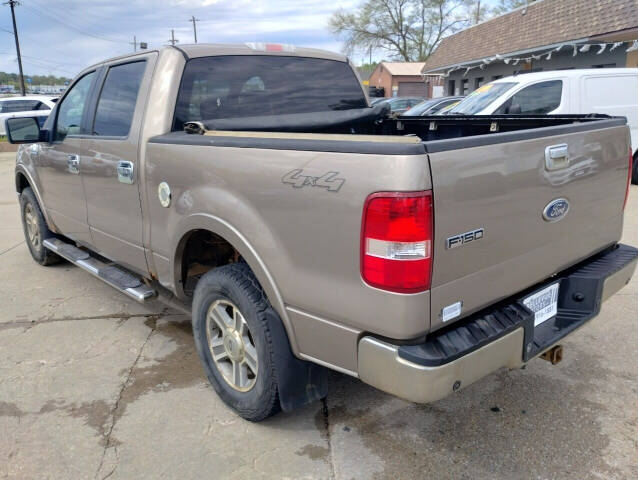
(327, 180)
(464, 238)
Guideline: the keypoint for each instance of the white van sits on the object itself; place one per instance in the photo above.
(613, 91)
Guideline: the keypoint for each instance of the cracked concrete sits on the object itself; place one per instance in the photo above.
(95, 386)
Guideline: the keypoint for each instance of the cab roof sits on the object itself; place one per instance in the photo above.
(195, 50)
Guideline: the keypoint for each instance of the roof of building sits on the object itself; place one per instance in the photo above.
(541, 23)
(403, 68)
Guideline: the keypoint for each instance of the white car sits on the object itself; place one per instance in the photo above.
(613, 91)
(28, 106)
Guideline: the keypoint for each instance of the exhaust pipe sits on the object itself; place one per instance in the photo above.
(553, 355)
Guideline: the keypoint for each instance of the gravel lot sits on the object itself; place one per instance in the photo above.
(93, 385)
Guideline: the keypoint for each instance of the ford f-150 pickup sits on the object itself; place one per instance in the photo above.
(253, 187)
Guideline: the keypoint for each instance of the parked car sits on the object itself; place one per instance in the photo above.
(253, 187)
(399, 105)
(613, 91)
(375, 100)
(431, 106)
(27, 106)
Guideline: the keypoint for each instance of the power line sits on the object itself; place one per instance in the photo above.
(194, 20)
(67, 24)
(12, 4)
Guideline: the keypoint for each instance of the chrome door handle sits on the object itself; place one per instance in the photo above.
(125, 172)
(556, 157)
(73, 164)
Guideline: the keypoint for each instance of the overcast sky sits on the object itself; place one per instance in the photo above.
(61, 37)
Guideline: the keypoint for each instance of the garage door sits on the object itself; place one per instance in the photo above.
(413, 89)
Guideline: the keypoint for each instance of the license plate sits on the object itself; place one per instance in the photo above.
(544, 304)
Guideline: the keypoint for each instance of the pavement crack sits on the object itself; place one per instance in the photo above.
(122, 317)
(326, 423)
(116, 406)
(11, 248)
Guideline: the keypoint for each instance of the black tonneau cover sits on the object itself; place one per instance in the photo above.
(356, 120)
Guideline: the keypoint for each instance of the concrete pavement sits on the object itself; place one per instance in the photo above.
(93, 385)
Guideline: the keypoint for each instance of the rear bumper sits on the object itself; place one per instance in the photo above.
(501, 336)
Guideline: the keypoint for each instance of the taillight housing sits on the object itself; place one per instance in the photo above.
(396, 241)
(631, 165)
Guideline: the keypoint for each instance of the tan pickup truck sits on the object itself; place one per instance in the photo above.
(253, 186)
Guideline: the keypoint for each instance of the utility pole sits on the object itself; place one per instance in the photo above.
(193, 19)
(173, 40)
(134, 43)
(12, 4)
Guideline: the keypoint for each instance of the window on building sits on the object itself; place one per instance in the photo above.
(465, 86)
(496, 77)
(451, 85)
(478, 81)
(115, 108)
(540, 98)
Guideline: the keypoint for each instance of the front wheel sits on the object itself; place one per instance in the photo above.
(234, 341)
(35, 229)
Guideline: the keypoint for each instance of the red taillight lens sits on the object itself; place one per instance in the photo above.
(631, 164)
(396, 241)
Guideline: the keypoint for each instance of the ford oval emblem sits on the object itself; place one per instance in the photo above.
(556, 210)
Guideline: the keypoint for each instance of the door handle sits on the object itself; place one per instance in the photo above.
(73, 164)
(556, 157)
(125, 172)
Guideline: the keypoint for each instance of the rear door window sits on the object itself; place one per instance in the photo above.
(116, 105)
(237, 86)
(537, 99)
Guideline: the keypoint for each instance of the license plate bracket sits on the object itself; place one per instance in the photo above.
(543, 303)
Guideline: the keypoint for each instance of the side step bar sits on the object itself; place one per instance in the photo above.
(117, 277)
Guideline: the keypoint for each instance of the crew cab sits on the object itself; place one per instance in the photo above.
(253, 187)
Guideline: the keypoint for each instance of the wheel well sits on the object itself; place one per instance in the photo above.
(202, 251)
(21, 182)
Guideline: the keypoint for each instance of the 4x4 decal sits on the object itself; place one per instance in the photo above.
(327, 180)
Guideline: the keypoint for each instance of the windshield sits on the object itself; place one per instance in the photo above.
(481, 98)
(421, 107)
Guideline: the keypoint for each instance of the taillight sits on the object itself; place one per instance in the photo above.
(631, 164)
(396, 241)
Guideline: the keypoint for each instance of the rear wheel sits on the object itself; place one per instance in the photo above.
(35, 229)
(234, 341)
(634, 175)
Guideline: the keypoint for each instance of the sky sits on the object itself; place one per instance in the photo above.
(61, 37)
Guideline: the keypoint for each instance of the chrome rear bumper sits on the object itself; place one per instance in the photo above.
(502, 337)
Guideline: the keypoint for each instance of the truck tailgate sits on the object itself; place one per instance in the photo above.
(500, 190)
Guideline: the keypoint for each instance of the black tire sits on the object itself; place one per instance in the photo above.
(30, 209)
(236, 283)
(634, 174)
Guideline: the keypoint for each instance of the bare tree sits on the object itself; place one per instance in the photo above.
(408, 30)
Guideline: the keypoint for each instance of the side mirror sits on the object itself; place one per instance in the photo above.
(23, 130)
(514, 109)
